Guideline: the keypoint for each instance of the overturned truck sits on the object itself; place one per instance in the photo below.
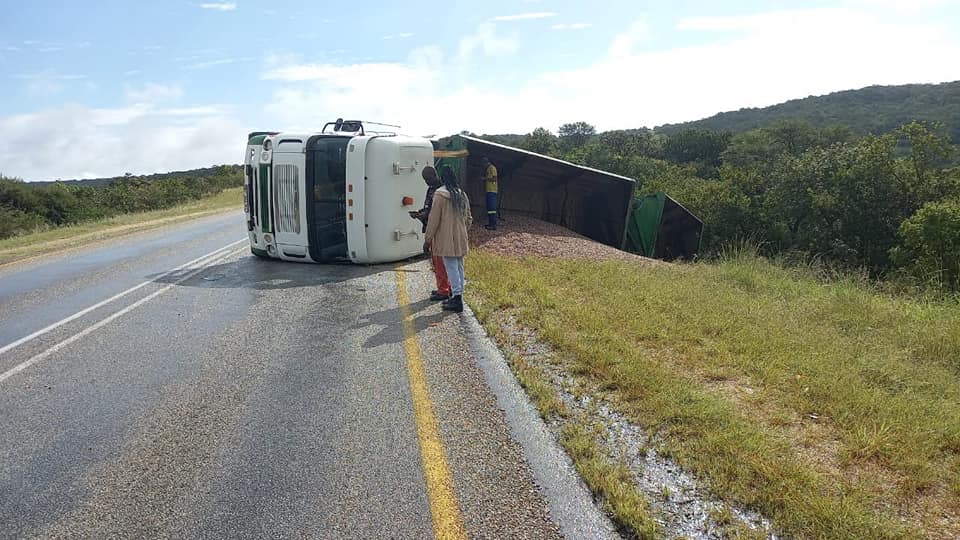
(597, 204)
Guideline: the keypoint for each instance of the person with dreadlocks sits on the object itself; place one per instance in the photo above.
(446, 234)
(442, 291)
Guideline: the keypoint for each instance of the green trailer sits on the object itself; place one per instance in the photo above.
(661, 228)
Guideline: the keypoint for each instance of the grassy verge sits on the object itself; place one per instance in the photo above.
(611, 482)
(53, 240)
(831, 408)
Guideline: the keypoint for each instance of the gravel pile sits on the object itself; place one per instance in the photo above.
(520, 236)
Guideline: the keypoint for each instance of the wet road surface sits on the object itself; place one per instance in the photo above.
(219, 395)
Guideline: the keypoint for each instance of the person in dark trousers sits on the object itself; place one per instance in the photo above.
(490, 179)
(447, 233)
(442, 291)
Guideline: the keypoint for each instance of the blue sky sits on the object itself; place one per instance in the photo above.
(103, 88)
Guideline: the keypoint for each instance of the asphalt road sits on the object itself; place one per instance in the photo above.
(236, 397)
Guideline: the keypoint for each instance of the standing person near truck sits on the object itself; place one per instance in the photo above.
(442, 292)
(490, 179)
(447, 234)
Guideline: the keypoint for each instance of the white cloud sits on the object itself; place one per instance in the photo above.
(571, 26)
(48, 82)
(901, 5)
(625, 44)
(756, 60)
(366, 79)
(200, 111)
(136, 138)
(218, 62)
(485, 39)
(220, 6)
(524, 16)
(51, 46)
(49, 74)
(210, 63)
(154, 93)
(744, 61)
(276, 60)
(767, 59)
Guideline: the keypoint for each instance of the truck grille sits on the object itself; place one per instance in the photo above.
(287, 192)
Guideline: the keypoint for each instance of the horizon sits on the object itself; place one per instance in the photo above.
(154, 104)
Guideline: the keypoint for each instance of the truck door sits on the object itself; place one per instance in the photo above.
(326, 170)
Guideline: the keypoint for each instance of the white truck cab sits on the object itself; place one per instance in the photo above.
(342, 194)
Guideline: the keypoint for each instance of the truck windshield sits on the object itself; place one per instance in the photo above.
(326, 164)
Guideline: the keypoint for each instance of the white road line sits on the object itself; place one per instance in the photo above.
(83, 312)
(38, 357)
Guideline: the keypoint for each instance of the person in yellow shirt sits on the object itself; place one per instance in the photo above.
(490, 179)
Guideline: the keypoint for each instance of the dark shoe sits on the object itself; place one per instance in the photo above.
(436, 296)
(490, 227)
(455, 304)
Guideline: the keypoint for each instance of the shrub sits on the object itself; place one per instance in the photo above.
(930, 248)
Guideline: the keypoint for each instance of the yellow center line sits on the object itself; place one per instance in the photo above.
(447, 522)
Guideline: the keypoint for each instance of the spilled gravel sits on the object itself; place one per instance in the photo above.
(681, 504)
(520, 236)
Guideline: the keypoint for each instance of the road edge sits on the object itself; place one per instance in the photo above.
(569, 500)
(93, 240)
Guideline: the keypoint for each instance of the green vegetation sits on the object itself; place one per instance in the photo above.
(877, 202)
(822, 389)
(831, 407)
(875, 109)
(73, 236)
(28, 207)
(612, 482)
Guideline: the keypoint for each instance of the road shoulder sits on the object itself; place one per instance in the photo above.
(88, 236)
(510, 476)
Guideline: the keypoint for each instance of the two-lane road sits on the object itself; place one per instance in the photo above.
(171, 385)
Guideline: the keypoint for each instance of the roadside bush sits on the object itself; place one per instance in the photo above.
(25, 207)
(14, 221)
(930, 249)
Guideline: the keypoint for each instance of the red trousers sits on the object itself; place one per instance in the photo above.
(439, 272)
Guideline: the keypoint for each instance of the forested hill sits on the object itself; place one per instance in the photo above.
(205, 172)
(875, 109)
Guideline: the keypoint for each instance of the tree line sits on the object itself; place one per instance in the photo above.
(888, 203)
(26, 207)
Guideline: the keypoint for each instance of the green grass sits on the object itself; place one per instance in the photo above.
(830, 407)
(57, 239)
(612, 482)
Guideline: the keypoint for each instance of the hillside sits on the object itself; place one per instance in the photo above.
(875, 109)
(204, 172)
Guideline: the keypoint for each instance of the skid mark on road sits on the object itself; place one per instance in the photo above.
(447, 522)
